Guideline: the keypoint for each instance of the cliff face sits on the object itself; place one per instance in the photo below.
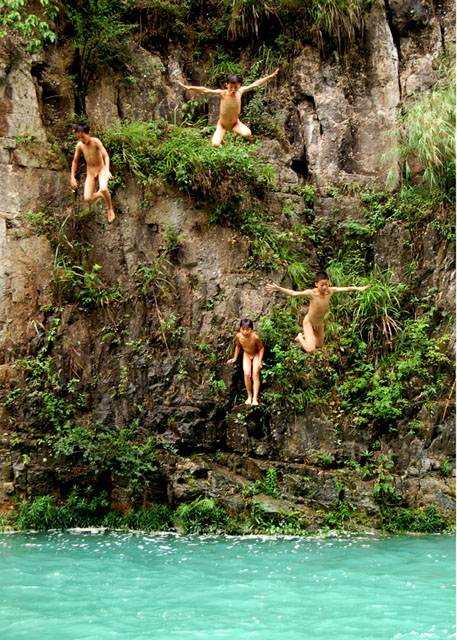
(126, 338)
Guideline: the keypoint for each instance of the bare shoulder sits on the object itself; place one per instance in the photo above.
(97, 142)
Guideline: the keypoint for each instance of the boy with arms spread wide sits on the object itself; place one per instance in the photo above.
(230, 105)
(313, 324)
(253, 350)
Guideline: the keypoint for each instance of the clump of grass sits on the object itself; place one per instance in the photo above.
(376, 310)
(183, 156)
(337, 21)
(426, 131)
(246, 16)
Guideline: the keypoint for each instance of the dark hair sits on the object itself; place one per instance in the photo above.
(321, 275)
(82, 127)
(233, 78)
(246, 322)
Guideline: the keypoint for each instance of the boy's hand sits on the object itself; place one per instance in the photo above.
(73, 182)
(272, 287)
(364, 287)
(185, 86)
(275, 73)
(231, 361)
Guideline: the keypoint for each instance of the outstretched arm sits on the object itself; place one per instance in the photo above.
(259, 82)
(237, 352)
(290, 292)
(74, 166)
(340, 289)
(201, 89)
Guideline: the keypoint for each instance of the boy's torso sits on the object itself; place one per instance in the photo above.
(230, 109)
(93, 157)
(318, 307)
(249, 344)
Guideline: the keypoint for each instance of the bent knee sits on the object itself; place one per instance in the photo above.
(215, 144)
(87, 198)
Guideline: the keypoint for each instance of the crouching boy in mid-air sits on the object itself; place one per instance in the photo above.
(253, 350)
(230, 105)
(313, 323)
(97, 161)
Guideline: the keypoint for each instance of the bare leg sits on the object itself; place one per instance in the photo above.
(247, 370)
(105, 194)
(89, 187)
(319, 333)
(218, 135)
(256, 378)
(241, 129)
(307, 339)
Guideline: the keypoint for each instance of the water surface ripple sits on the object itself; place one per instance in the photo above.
(100, 586)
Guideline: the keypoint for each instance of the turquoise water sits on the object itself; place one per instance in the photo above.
(98, 586)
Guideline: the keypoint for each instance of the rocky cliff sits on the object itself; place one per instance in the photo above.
(115, 336)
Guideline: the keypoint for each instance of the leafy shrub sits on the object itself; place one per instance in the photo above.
(421, 520)
(98, 37)
(78, 511)
(269, 485)
(35, 28)
(41, 514)
(73, 283)
(55, 397)
(119, 450)
(262, 521)
(202, 516)
(155, 518)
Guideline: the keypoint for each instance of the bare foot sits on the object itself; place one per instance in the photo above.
(254, 403)
(111, 215)
(302, 342)
(248, 401)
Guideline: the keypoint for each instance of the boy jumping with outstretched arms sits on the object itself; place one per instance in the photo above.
(97, 161)
(230, 105)
(253, 350)
(313, 324)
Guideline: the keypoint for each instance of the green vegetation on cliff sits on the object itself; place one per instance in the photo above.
(123, 387)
